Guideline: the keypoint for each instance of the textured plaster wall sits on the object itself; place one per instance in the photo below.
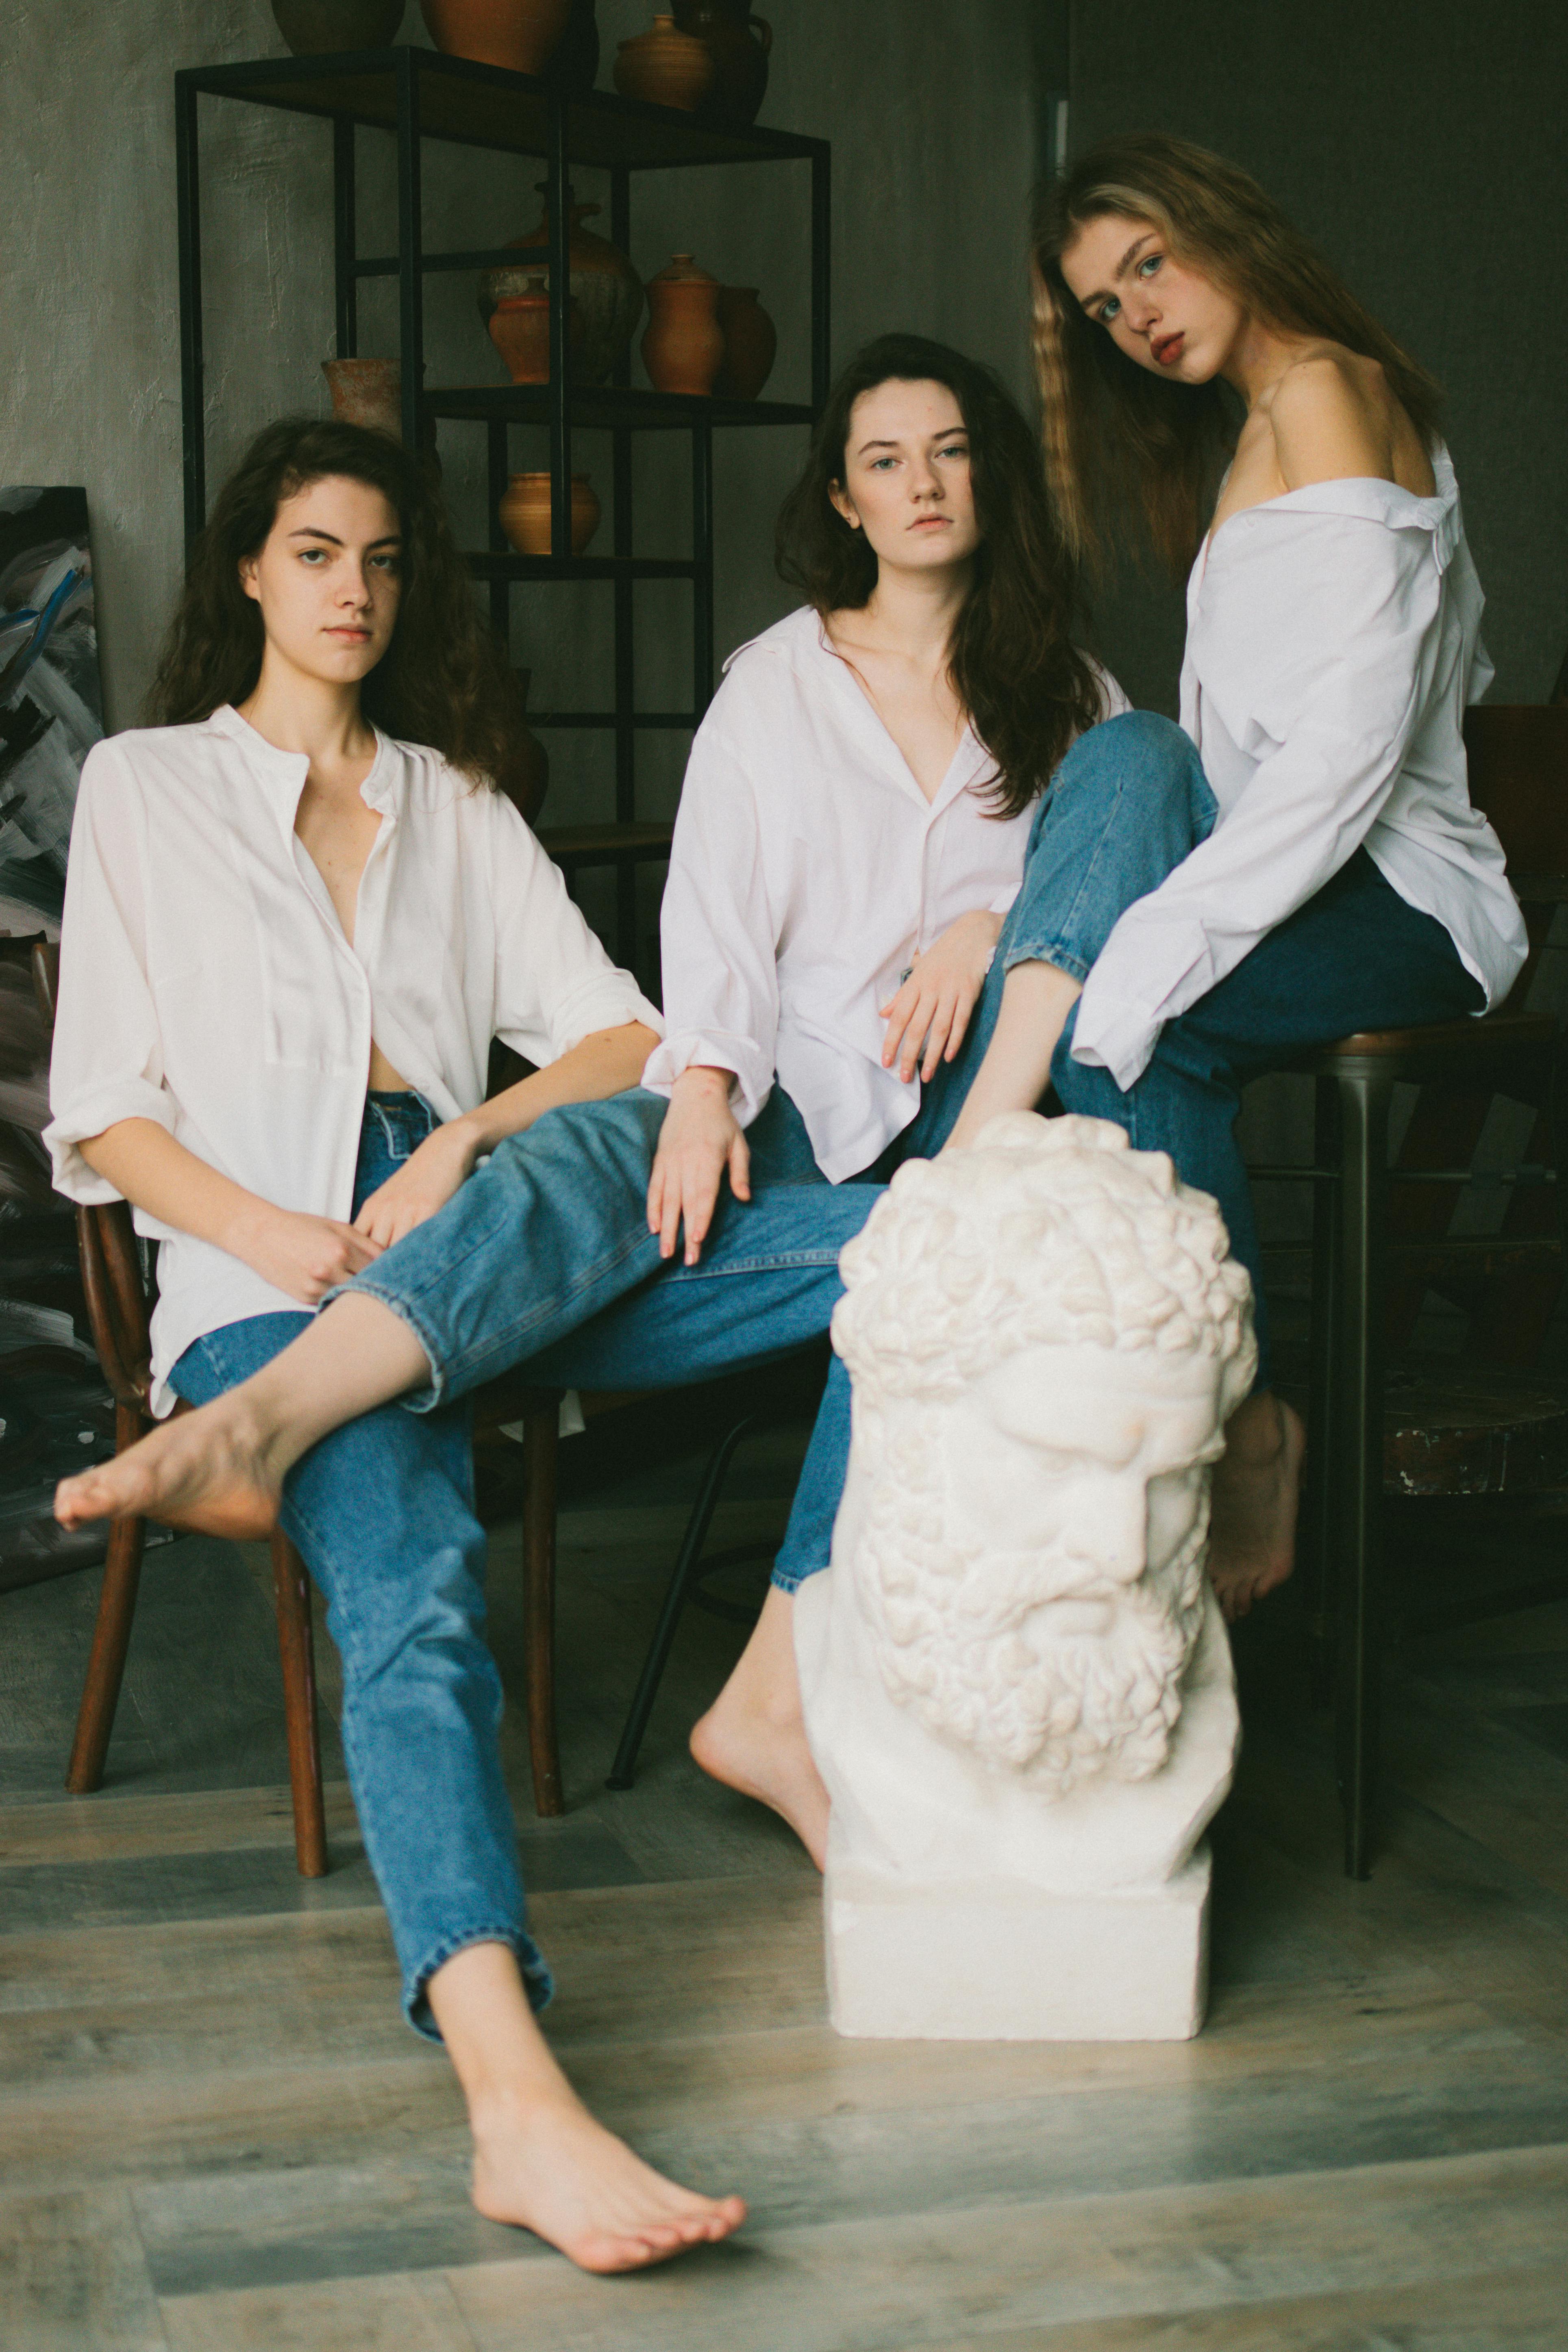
(1421, 143)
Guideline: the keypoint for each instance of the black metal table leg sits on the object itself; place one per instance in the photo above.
(1321, 1531)
(1364, 1095)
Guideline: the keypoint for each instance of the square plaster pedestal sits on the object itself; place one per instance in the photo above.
(995, 1961)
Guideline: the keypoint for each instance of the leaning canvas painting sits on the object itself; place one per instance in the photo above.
(51, 709)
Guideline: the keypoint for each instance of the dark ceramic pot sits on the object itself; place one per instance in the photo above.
(314, 29)
(740, 57)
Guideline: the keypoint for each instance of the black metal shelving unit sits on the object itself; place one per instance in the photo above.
(418, 94)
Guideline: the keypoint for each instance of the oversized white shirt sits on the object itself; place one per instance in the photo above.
(1333, 641)
(807, 870)
(206, 982)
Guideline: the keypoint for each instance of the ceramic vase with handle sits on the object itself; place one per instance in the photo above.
(519, 329)
(607, 289)
(683, 349)
(522, 35)
(739, 44)
(751, 343)
(525, 513)
(314, 29)
(665, 67)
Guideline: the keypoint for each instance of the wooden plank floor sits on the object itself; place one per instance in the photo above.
(215, 2132)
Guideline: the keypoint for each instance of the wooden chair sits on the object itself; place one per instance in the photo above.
(1381, 1237)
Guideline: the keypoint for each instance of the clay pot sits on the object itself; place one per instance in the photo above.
(525, 779)
(605, 289)
(683, 349)
(751, 343)
(314, 29)
(525, 513)
(367, 392)
(521, 33)
(519, 329)
(740, 57)
(665, 67)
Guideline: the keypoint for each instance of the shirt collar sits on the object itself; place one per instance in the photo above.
(282, 774)
(1368, 498)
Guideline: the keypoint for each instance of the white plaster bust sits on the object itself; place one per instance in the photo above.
(1014, 1669)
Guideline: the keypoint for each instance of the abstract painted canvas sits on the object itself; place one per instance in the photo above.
(51, 704)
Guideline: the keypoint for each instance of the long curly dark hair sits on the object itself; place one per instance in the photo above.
(442, 681)
(1024, 684)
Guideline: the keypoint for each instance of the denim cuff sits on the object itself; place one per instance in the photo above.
(788, 1578)
(537, 1980)
(365, 1285)
(1044, 950)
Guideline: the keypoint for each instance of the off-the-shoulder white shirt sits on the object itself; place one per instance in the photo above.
(207, 983)
(808, 869)
(1333, 641)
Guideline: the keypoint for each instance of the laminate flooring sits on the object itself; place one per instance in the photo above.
(215, 2132)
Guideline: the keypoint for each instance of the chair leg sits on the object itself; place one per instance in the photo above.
(297, 1647)
(110, 1633)
(624, 1769)
(1364, 1100)
(1318, 1563)
(541, 1444)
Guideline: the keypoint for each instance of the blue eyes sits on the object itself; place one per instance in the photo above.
(1110, 307)
(958, 449)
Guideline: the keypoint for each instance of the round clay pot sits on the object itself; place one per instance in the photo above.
(740, 57)
(519, 329)
(751, 343)
(521, 33)
(525, 779)
(683, 349)
(525, 513)
(665, 67)
(605, 289)
(367, 392)
(314, 29)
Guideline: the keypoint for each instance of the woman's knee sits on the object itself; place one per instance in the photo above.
(1139, 751)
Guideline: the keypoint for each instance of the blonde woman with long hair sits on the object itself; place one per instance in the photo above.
(1210, 384)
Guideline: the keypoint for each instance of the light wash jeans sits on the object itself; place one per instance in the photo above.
(382, 1509)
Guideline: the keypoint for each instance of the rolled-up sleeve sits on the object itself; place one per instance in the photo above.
(718, 938)
(108, 1058)
(555, 984)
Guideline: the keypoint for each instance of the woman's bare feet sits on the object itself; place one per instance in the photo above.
(549, 2167)
(213, 1469)
(1256, 1493)
(754, 1736)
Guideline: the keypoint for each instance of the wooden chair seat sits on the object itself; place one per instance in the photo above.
(1446, 1042)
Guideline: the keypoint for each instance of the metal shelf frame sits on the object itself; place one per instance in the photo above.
(418, 94)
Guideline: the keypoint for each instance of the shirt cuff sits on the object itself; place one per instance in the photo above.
(699, 1049)
(88, 1115)
(603, 1004)
(1115, 1037)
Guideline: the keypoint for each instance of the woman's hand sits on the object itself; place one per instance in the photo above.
(303, 1255)
(700, 1139)
(932, 1007)
(424, 1184)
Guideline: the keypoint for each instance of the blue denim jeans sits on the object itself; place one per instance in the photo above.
(1128, 804)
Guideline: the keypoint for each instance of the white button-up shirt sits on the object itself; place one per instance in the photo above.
(807, 871)
(207, 983)
(1332, 645)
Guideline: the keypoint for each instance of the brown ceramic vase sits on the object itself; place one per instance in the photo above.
(751, 343)
(683, 349)
(525, 513)
(740, 54)
(665, 67)
(367, 392)
(522, 35)
(314, 29)
(519, 329)
(606, 290)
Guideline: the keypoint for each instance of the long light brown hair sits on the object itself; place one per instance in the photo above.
(1118, 438)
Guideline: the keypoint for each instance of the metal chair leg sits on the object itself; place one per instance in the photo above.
(110, 1633)
(682, 1578)
(296, 1649)
(541, 1444)
(1318, 1561)
(1364, 1097)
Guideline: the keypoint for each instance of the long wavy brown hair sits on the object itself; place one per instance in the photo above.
(1026, 687)
(442, 681)
(1119, 441)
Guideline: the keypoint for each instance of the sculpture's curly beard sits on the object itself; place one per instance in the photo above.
(953, 1628)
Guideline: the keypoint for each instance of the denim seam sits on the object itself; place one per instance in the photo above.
(538, 1982)
(1045, 950)
(1086, 877)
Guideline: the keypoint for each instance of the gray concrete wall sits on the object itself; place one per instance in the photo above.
(1421, 143)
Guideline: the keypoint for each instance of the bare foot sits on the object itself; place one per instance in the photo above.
(1257, 1494)
(754, 1736)
(209, 1469)
(552, 2168)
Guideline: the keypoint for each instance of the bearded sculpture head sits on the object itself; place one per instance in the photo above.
(1046, 1336)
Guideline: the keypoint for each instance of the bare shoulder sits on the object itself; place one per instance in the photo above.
(1333, 418)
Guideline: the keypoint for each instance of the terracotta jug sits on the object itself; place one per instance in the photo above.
(740, 57)
(665, 67)
(314, 29)
(367, 392)
(683, 349)
(605, 289)
(519, 329)
(522, 35)
(525, 513)
(751, 343)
